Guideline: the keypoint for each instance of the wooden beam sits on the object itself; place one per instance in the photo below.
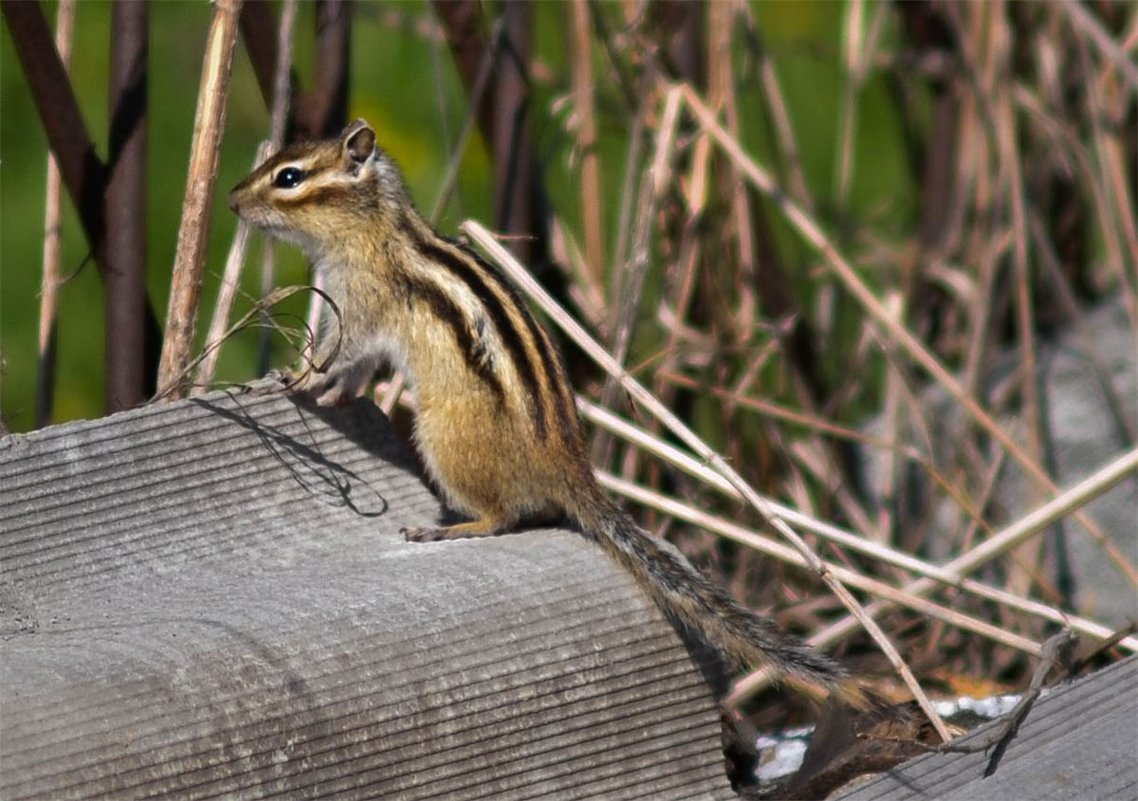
(212, 599)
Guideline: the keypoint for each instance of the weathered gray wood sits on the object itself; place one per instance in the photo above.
(211, 599)
(1079, 742)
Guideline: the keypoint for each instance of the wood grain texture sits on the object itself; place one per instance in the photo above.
(211, 599)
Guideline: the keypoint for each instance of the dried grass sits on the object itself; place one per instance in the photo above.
(987, 266)
(776, 316)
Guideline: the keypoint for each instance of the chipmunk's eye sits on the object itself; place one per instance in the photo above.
(288, 178)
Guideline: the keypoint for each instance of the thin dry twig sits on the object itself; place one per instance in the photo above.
(585, 121)
(1055, 653)
(226, 293)
(1030, 552)
(854, 61)
(258, 312)
(52, 244)
(1080, 664)
(775, 101)
(189, 263)
(1082, 20)
(1028, 525)
(474, 102)
(880, 552)
(628, 281)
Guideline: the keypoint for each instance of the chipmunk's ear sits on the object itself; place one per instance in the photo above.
(358, 143)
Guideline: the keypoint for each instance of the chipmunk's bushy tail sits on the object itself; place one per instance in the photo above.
(693, 601)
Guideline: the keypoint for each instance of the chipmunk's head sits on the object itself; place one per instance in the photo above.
(313, 193)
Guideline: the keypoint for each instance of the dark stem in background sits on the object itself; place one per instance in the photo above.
(461, 22)
(503, 120)
(933, 155)
(126, 300)
(325, 110)
(514, 165)
(259, 32)
(84, 174)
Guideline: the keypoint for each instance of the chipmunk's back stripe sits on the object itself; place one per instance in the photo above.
(470, 339)
(563, 403)
(466, 268)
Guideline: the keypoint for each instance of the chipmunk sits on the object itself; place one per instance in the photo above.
(496, 423)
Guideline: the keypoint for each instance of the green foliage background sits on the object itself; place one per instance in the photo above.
(405, 84)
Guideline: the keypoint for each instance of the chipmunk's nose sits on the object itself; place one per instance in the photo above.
(233, 202)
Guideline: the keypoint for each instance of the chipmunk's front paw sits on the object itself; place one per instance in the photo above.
(333, 395)
(424, 534)
(282, 380)
(271, 383)
(320, 388)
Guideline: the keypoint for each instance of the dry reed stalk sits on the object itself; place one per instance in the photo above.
(532, 289)
(688, 264)
(854, 64)
(684, 291)
(631, 186)
(1029, 553)
(52, 245)
(1096, 180)
(892, 422)
(812, 232)
(1106, 101)
(784, 553)
(587, 296)
(227, 291)
(810, 457)
(1049, 260)
(987, 490)
(585, 123)
(978, 242)
(723, 91)
(1082, 20)
(628, 280)
(1027, 526)
(845, 539)
(189, 263)
(625, 306)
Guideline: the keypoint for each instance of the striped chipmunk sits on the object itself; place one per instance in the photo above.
(496, 424)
